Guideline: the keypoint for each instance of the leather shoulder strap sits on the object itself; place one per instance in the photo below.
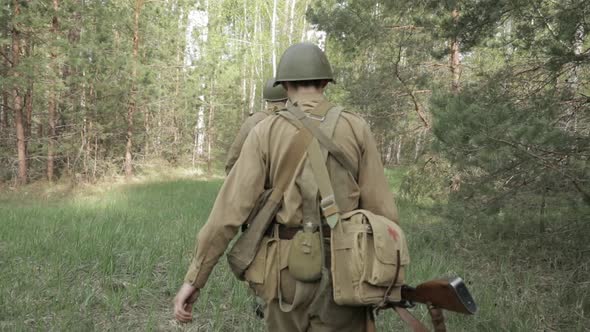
(290, 160)
(328, 204)
(414, 324)
(328, 126)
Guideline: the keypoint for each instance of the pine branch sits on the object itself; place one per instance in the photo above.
(403, 27)
(548, 26)
(574, 180)
(6, 58)
(405, 94)
(409, 91)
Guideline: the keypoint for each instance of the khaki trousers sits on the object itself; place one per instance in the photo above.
(329, 317)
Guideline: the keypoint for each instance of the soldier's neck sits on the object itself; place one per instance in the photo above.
(273, 104)
(306, 94)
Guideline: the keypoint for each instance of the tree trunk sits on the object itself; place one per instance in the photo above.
(94, 167)
(89, 148)
(4, 111)
(52, 102)
(28, 104)
(27, 48)
(253, 69)
(398, 155)
(17, 104)
(210, 131)
(200, 130)
(176, 93)
(52, 134)
(252, 95)
(195, 143)
(20, 137)
(291, 18)
(158, 144)
(455, 60)
(390, 153)
(146, 126)
(273, 39)
(133, 94)
(304, 24)
(418, 147)
(244, 90)
(578, 46)
(244, 96)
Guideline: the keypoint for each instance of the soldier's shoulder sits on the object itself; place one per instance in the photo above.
(265, 122)
(253, 119)
(258, 116)
(352, 117)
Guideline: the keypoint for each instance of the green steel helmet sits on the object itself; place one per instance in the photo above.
(303, 62)
(272, 92)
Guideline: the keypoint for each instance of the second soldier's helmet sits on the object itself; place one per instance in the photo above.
(273, 93)
(303, 62)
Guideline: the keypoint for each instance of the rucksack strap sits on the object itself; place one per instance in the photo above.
(328, 126)
(315, 156)
(289, 161)
(328, 204)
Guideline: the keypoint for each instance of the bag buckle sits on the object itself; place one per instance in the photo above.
(330, 210)
(316, 117)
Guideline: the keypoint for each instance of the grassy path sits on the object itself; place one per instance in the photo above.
(113, 261)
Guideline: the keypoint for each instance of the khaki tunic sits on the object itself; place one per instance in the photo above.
(256, 169)
(234, 150)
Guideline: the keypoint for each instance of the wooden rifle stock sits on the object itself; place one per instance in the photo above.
(439, 294)
(448, 294)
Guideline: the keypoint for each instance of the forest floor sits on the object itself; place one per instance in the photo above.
(111, 257)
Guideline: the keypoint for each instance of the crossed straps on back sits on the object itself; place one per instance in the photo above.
(317, 151)
(322, 121)
(328, 115)
(322, 134)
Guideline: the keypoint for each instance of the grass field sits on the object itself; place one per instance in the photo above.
(112, 259)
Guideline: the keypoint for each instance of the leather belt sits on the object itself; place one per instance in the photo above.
(287, 233)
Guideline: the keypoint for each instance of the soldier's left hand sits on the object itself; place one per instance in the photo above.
(183, 303)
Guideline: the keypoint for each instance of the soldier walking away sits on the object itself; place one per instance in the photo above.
(273, 159)
(275, 98)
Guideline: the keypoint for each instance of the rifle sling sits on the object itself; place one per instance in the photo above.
(438, 318)
(414, 324)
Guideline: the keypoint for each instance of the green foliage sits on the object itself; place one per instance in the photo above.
(89, 262)
(383, 70)
(507, 165)
(519, 131)
(199, 72)
(113, 257)
(427, 181)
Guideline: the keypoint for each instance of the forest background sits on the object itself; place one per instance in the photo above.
(484, 105)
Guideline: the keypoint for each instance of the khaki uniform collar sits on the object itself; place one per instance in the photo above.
(273, 106)
(303, 98)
